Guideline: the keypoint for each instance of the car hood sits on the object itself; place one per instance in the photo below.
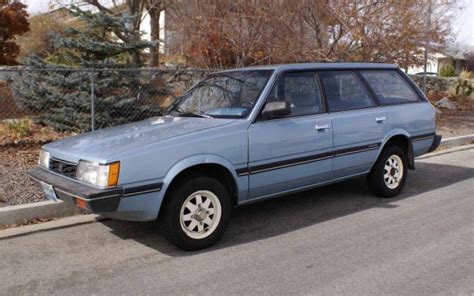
(100, 145)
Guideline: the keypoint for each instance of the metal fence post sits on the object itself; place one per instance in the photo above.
(92, 101)
(428, 26)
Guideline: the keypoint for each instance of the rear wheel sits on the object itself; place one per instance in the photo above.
(197, 213)
(387, 177)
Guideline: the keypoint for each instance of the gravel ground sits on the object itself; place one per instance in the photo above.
(15, 186)
(458, 122)
(452, 125)
(18, 154)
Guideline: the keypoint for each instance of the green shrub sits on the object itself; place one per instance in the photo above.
(447, 71)
(17, 128)
(464, 88)
(61, 96)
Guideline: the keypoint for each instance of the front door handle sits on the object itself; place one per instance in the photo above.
(380, 119)
(322, 127)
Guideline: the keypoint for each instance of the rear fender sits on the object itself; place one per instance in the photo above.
(404, 133)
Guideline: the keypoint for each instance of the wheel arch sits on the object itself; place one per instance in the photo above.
(402, 139)
(210, 165)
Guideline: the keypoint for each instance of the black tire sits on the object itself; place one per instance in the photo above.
(376, 181)
(171, 221)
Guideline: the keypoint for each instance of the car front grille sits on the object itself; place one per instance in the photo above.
(63, 167)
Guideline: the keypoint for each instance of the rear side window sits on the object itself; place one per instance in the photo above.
(344, 91)
(390, 87)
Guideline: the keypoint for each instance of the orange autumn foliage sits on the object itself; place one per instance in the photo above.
(13, 22)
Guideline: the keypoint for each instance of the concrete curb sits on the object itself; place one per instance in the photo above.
(43, 209)
(447, 150)
(456, 141)
(61, 223)
(49, 209)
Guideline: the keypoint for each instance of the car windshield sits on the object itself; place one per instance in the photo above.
(223, 95)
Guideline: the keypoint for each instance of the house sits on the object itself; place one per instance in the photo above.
(171, 36)
(455, 56)
(145, 26)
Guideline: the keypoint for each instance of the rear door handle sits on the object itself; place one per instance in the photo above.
(322, 127)
(380, 119)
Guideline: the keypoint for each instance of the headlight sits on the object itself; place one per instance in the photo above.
(103, 175)
(44, 159)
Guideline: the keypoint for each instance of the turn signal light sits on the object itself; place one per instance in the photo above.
(81, 203)
(114, 169)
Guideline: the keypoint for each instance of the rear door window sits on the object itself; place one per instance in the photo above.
(344, 91)
(390, 87)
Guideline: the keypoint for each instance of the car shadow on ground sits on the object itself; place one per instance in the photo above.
(285, 214)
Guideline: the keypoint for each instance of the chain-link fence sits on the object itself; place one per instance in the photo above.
(88, 99)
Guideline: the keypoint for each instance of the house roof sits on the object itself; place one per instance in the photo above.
(457, 52)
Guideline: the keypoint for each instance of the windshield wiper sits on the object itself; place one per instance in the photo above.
(193, 114)
(177, 108)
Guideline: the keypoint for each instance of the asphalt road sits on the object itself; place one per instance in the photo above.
(333, 240)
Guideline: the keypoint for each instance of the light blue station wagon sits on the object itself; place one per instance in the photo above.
(244, 135)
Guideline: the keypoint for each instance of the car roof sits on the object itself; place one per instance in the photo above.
(318, 66)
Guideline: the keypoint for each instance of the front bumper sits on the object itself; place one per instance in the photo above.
(94, 199)
(436, 142)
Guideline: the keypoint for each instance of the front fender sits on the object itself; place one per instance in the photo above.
(183, 164)
(146, 207)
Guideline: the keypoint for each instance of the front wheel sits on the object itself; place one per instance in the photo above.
(387, 177)
(197, 213)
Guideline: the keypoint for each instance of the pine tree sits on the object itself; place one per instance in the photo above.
(62, 97)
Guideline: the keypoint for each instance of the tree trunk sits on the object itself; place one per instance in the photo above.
(134, 10)
(155, 36)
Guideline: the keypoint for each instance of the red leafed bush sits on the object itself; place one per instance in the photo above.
(13, 22)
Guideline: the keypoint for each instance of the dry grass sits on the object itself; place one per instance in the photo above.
(25, 132)
(25, 222)
(15, 130)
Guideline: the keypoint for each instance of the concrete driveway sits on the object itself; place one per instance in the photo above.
(333, 240)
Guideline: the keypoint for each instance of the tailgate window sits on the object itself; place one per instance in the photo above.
(390, 87)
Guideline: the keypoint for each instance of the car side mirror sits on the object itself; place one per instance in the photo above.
(276, 110)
